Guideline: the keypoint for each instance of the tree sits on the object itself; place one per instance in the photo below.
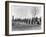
(35, 11)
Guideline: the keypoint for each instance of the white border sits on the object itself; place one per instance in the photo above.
(24, 32)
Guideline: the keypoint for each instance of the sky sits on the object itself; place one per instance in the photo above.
(25, 11)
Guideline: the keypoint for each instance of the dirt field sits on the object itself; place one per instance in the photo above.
(22, 27)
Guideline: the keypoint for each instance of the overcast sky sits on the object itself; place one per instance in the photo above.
(24, 11)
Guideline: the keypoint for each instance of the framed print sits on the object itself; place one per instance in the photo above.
(24, 18)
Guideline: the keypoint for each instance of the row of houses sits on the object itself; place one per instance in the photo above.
(34, 20)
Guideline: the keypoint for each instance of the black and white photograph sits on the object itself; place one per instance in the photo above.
(26, 18)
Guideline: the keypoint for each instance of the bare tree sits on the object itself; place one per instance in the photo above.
(35, 11)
